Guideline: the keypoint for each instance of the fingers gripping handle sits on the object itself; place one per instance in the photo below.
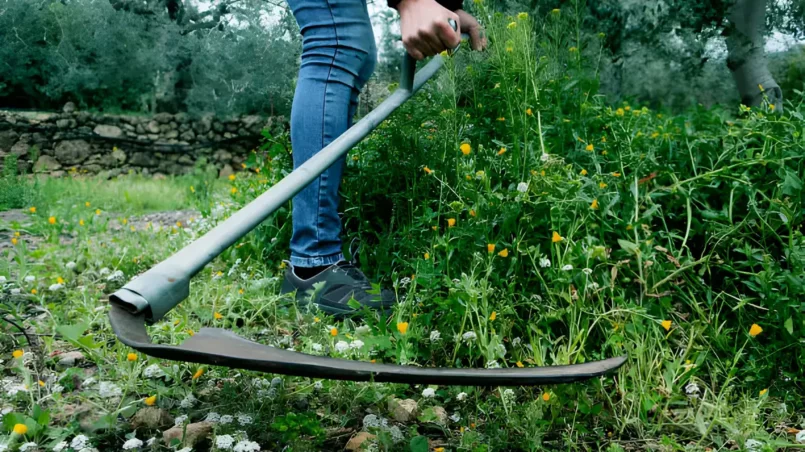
(408, 67)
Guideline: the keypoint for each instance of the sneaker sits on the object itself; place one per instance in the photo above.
(343, 282)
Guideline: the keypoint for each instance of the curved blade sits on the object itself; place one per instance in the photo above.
(219, 347)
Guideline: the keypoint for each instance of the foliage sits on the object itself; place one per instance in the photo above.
(523, 221)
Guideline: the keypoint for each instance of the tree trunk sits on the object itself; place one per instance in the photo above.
(747, 56)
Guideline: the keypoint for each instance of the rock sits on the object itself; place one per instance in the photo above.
(142, 159)
(70, 359)
(7, 139)
(21, 148)
(188, 136)
(65, 123)
(72, 152)
(222, 155)
(402, 410)
(82, 117)
(185, 159)
(441, 415)
(193, 434)
(69, 107)
(119, 155)
(45, 164)
(140, 129)
(152, 127)
(225, 172)
(172, 134)
(218, 127)
(108, 131)
(181, 118)
(356, 443)
(163, 118)
(151, 417)
(252, 120)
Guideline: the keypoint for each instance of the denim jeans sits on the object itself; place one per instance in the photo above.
(338, 57)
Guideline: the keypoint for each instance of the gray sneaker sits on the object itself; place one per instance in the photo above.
(342, 282)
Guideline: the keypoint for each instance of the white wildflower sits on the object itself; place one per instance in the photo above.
(104, 271)
(545, 157)
(405, 281)
(363, 329)
(753, 445)
(692, 390)
(70, 265)
(133, 443)
(356, 344)
(153, 371)
(189, 401)
(2, 279)
(226, 419)
(593, 286)
(79, 442)
(224, 441)
(28, 446)
(371, 421)
(341, 346)
(469, 336)
(435, 335)
(396, 434)
(429, 393)
(15, 291)
(522, 187)
(567, 267)
(55, 287)
(244, 419)
(151, 441)
(501, 349)
(544, 262)
(185, 449)
(492, 364)
(30, 278)
(318, 385)
(60, 446)
(516, 341)
(86, 383)
(57, 389)
(276, 381)
(508, 394)
(116, 276)
(587, 271)
(455, 417)
(108, 390)
(180, 420)
(316, 347)
(247, 446)
(462, 396)
(213, 417)
(800, 436)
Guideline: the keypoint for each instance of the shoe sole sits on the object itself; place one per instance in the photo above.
(336, 312)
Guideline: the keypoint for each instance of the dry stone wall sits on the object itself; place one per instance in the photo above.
(81, 142)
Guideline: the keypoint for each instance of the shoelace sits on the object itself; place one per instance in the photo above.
(355, 273)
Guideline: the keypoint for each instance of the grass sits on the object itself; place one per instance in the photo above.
(523, 220)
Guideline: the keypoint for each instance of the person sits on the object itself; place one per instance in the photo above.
(338, 57)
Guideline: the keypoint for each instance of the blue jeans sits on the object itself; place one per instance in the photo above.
(338, 57)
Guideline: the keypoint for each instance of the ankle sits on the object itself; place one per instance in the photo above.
(308, 272)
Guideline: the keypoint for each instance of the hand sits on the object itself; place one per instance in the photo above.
(425, 30)
(471, 26)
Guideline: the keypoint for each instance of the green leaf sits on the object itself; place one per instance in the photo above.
(72, 332)
(789, 325)
(41, 415)
(419, 444)
(629, 246)
(792, 183)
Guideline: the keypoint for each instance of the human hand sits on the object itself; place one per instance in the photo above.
(471, 26)
(425, 28)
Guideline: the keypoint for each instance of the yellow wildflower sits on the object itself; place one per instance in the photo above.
(451, 222)
(619, 112)
(52, 220)
(33, 291)
(755, 329)
(502, 151)
(493, 316)
(131, 357)
(590, 147)
(763, 392)
(198, 373)
(616, 174)
(522, 16)
(519, 364)
(594, 204)
(490, 248)
(511, 25)
(97, 211)
(402, 327)
(150, 401)
(87, 204)
(529, 112)
(428, 170)
(556, 237)
(504, 253)
(427, 256)
(666, 324)
(41, 383)
(472, 213)
(602, 185)
(17, 353)
(59, 280)
(81, 222)
(584, 172)
(32, 209)
(334, 331)
(231, 177)
(465, 149)
(218, 316)
(501, 119)
(234, 190)
(192, 189)
(20, 429)
(546, 396)
(14, 240)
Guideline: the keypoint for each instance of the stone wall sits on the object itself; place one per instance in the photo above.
(81, 142)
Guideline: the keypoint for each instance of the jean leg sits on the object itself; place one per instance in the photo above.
(338, 50)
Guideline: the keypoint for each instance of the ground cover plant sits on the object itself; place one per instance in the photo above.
(523, 221)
